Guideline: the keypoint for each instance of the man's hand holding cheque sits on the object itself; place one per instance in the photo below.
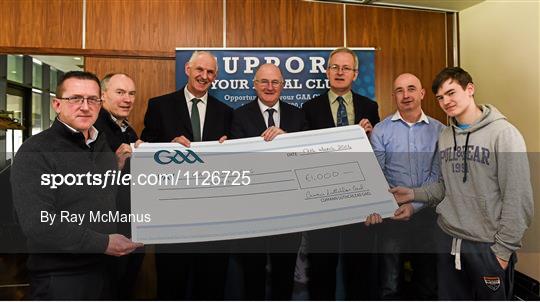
(250, 187)
(403, 197)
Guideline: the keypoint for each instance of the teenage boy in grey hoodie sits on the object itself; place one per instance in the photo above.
(485, 199)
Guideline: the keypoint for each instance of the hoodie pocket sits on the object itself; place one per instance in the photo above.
(494, 259)
(465, 215)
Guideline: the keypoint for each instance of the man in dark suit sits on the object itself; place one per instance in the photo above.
(118, 96)
(190, 114)
(340, 107)
(169, 117)
(268, 117)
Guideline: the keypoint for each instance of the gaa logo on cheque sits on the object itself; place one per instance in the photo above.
(165, 157)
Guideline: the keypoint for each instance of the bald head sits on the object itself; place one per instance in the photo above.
(408, 94)
(408, 78)
(268, 84)
(268, 68)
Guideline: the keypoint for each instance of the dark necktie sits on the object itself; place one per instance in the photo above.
(341, 119)
(195, 120)
(271, 117)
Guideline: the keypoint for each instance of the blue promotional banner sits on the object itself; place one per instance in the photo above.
(304, 72)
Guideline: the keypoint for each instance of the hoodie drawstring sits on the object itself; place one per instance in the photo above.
(465, 167)
(455, 142)
(456, 251)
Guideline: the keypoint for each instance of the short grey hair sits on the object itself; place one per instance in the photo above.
(197, 53)
(345, 50)
(107, 78)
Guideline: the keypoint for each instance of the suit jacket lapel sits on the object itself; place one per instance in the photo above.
(285, 120)
(181, 108)
(256, 116)
(326, 112)
(357, 109)
(209, 118)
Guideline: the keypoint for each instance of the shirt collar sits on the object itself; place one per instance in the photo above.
(92, 132)
(123, 124)
(263, 107)
(347, 97)
(423, 118)
(189, 96)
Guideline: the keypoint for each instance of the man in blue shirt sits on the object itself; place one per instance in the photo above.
(405, 144)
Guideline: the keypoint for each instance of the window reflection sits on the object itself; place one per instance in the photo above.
(15, 68)
(53, 79)
(37, 74)
(27, 99)
(52, 113)
(36, 113)
(14, 138)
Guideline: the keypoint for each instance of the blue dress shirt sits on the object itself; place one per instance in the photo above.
(407, 153)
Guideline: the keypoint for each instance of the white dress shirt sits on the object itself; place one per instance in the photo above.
(200, 105)
(265, 113)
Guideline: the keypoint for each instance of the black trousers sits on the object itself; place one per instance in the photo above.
(481, 277)
(254, 254)
(413, 241)
(355, 243)
(89, 283)
(193, 271)
(128, 268)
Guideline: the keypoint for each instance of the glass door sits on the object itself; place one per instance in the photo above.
(15, 104)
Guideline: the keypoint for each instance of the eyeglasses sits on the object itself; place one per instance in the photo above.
(274, 83)
(337, 68)
(79, 99)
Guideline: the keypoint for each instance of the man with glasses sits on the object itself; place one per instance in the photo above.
(268, 117)
(340, 106)
(68, 259)
(118, 95)
(190, 114)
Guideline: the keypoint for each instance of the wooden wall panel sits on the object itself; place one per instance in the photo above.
(283, 23)
(154, 25)
(151, 77)
(41, 23)
(407, 41)
(450, 38)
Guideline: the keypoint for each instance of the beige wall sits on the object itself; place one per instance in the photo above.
(499, 46)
